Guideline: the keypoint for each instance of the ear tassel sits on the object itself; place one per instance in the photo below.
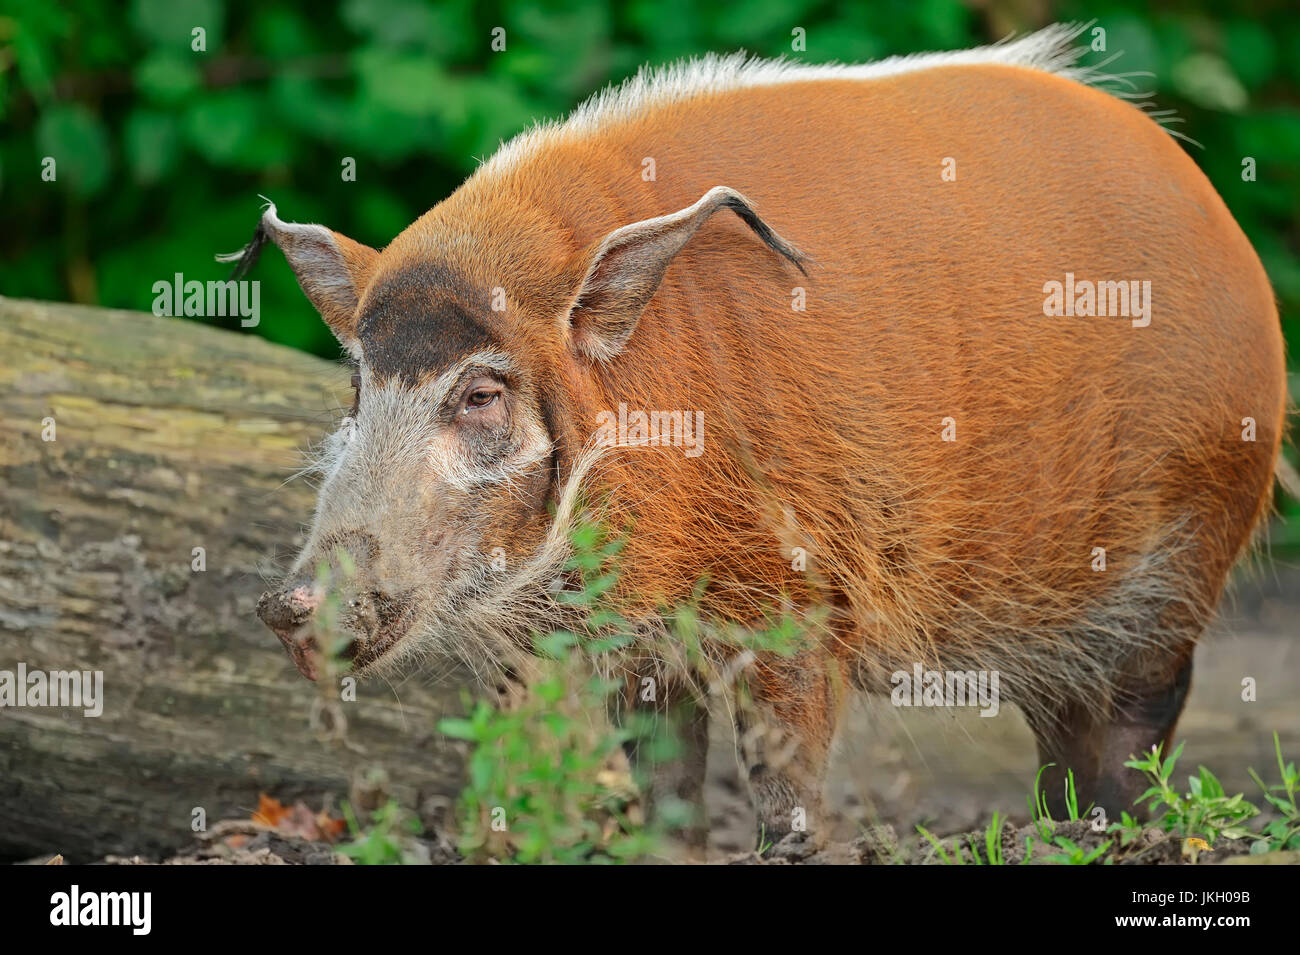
(741, 207)
(247, 257)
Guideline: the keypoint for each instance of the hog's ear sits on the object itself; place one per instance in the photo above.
(330, 267)
(627, 266)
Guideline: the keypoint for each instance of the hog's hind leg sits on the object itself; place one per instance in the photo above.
(1095, 746)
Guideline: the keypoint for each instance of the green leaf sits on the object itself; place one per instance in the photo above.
(1208, 81)
(31, 57)
(222, 126)
(1167, 768)
(1210, 784)
(1278, 803)
(152, 143)
(1250, 51)
(168, 78)
(556, 643)
(457, 728)
(550, 691)
(168, 23)
(75, 138)
(482, 768)
(393, 23)
(412, 86)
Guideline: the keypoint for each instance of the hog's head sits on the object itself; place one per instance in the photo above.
(441, 527)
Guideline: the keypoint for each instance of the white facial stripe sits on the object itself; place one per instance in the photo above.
(441, 387)
(450, 465)
(447, 459)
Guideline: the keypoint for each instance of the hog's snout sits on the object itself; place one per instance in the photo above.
(288, 613)
(372, 620)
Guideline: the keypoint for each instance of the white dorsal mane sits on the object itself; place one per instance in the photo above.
(1050, 50)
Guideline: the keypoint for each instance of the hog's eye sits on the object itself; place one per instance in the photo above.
(480, 393)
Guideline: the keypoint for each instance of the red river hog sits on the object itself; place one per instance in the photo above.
(958, 347)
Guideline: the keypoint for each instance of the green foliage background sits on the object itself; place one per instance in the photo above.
(162, 151)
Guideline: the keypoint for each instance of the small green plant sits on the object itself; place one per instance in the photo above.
(1128, 829)
(1283, 833)
(1045, 825)
(993, 854)
(1072, 799)
(1040, 815)
(1204, 812)
(1200, 816)
(1074, 854)
(382, 843)
(938, 847)
(993, 842)
(549, 781)
(992, 845)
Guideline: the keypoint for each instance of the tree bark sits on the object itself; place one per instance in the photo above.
(170, 436)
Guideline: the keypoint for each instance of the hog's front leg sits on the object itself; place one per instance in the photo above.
(678, 779)
(785, 722)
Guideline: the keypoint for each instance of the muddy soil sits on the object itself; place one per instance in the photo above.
(239, 843)
(881, 846)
